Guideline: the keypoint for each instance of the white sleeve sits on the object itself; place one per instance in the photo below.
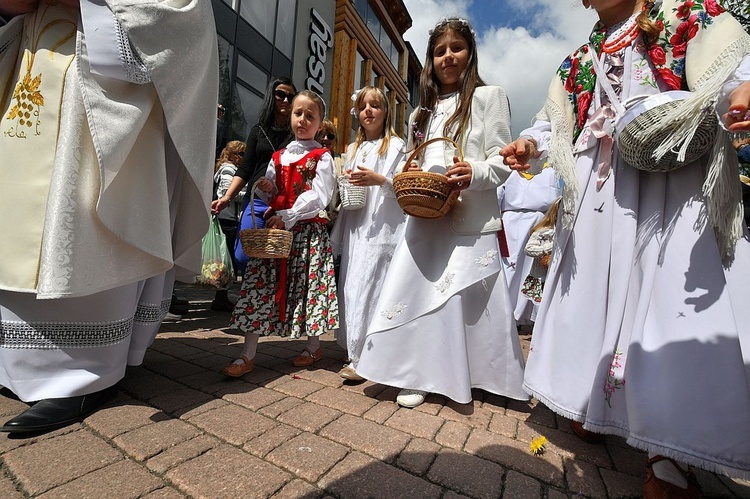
(310, 203)
(108, 45)
(393, 160)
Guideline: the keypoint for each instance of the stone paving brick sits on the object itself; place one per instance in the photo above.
(433, 404)
(207, 381)
(584, 478)
(381, 412)
(181, 452)
(711, 485)
(180, 399)
(308, 416)
(478, 478)
(227, 472)
(75, 454)
(415, 423)
(143, 384)
(122, 415)
(518, 409)
(362, 476)
(475, 417)
(504, 425)
(453, 434)
(298, 387)
(254, 398)
(308, 456)
(741, 488)
(207, 360)
(150, 440)
(8, 488)
(367, 388)
(324, 376)
(190, 412)
(269, 440)
(299, 489)
(175, 368)
(453, 495)
(8, 443)
(272, 411)
(556, 494)
(519, 486)
(164, 493)
(495, 403)
(351, 403)
(365, 436)
(232, 423)
(566, 445)
(515, 455)
(122, 479)
(9, 405)
(628, 460)
(621, 485)
(417, 457)
(389, 394)
(542, 416)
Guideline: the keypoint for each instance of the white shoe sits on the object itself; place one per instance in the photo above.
(348, 372)
(410, 398)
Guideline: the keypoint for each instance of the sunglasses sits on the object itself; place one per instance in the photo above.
(283, 96)
(330, 136)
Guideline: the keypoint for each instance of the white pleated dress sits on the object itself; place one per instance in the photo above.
(365, 239)
(523, 203)
(641, 332)
(443, 322)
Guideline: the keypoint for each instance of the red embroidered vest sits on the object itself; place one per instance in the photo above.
(294, 179)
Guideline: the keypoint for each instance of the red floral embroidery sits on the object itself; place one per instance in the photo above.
(657, 54)
(685, 32)
(713, 8)
(683, 11)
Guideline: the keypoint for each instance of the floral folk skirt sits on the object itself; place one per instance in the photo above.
(305, 304)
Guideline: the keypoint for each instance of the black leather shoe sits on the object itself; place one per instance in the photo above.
(51, 414)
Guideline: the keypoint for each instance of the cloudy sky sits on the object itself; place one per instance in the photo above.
(521, 42)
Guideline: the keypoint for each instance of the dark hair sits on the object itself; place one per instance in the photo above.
(268, 107)
(467, 82)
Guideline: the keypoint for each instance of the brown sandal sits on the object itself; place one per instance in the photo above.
(656, 488)
(236, 370)
(587, 436)
(302, 360)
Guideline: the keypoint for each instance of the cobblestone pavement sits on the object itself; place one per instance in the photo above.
(179, 428)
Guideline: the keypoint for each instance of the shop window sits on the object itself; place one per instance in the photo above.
(232, 3)
(361, 6)
(261, 14)
(250, 104)
(285, 27)
(251, 74)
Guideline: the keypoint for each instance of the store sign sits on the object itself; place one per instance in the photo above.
(320, 41)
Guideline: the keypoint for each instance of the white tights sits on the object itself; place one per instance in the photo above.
(251, 346)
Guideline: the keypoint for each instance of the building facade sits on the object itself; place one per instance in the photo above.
(330, 46)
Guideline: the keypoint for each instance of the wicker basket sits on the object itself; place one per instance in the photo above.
(425, 194)
(353, 197)
(642, 129)
(264, 243)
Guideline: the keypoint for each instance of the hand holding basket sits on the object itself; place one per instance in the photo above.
(264, 243)
(425, 194)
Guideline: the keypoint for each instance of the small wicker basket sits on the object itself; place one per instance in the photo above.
(353, 197)
(425, 194)
(642, 129)
(264, 243)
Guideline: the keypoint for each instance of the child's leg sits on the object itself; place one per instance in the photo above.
(250, 347)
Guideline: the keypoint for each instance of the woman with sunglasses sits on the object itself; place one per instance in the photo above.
(269, 134)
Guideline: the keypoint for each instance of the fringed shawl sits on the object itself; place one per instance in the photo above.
(698, 49)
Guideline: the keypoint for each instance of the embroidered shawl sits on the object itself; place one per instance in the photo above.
(698, 49)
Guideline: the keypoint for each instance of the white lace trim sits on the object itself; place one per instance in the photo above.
(445, 283)
(394, 311)
(60, 335)
(487, 258)
(135, 70)
(151, 313)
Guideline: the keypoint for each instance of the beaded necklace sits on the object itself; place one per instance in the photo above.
(625, 38)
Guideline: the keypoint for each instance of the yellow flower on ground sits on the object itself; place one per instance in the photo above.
(537, 445)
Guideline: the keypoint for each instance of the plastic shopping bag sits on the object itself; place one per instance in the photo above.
(216, 261)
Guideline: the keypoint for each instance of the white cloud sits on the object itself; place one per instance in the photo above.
(522, 60)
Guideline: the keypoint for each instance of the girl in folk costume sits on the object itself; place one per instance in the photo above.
(524, 198)
(294, 296)
(655, 265)
(443, 322)
(539, 248)
(366, 237)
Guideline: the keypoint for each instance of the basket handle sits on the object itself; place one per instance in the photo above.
(252, 201)
(424, 144)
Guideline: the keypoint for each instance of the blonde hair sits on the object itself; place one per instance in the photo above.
(326, 127)
(648, 27)
(549, 219)
(388, 130)
(232, 153)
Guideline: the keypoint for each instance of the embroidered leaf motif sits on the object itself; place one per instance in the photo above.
(443, 285)
(37, 98)
(487, 258)
(395, 311)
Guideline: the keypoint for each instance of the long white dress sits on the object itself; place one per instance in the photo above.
(523, 203)
(443, 322)
(366, 239)
(642, 333)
